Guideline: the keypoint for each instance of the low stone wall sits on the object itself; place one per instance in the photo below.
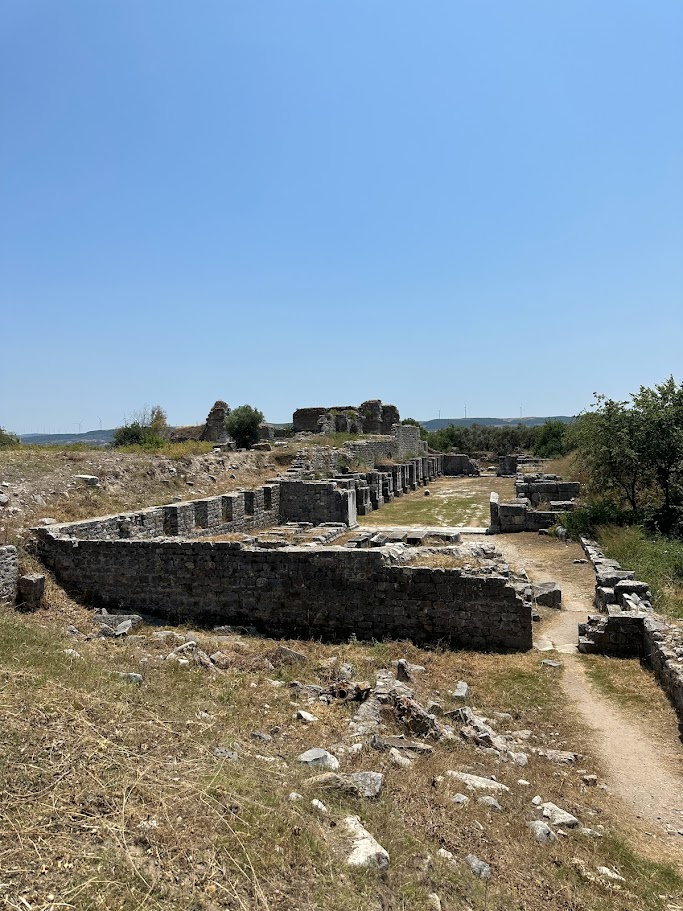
(9, 573)
(317, 502)
(455, 464)
(330, 593)
(628, 627)
(546, 488)
(512, 517)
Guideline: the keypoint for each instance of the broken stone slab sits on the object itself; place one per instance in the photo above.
(558, 816)
(542, 831)
(284, 655)
(90, 480)
(366, 851)
(399, 743)
(547, 662)
(317, 758)
(398, 759)
(477, 782)
(547, 594)
(333, 781)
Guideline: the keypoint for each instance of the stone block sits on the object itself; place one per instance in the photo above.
(31, 590)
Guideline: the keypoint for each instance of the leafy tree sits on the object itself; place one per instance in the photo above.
(661, 445)
(8, 440)
(147, 428)
(550, 439)
(243, 425)
(608, 439)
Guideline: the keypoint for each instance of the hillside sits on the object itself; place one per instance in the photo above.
(438, 423)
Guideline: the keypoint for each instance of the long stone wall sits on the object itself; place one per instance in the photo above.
(329, 593)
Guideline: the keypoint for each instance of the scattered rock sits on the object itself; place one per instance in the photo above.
(306, 717)
(461, 691)
(369, 784)
(478, 867)
(542, 831)
(547, 662)
(590, 781)
(447, 856)
(4, 499)
(537, 800)
(366, 852)
(284, 655)
(490, 802)
(317, 758)
(71, 653)
(460, 799)
(547, 594)
(477, 782)
(610, 874)
(130, 677)
(320, 807)
(398, 759)
(434, 902)
(558, 816)
(294, 795)
(46, 520)
(90, 480)
(223, 753)
(263, 738)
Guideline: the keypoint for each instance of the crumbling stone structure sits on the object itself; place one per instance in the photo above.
(214, 429)
(322, 592)
(457, 464)
(627, 626)
(371, 417)
(532, 489)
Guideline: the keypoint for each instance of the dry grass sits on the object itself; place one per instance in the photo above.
(112, 796)
(128, 481)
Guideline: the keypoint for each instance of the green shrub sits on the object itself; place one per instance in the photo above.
(148, 429)
(8, 440)
(243, 425)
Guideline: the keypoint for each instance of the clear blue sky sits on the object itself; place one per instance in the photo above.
(297, 202)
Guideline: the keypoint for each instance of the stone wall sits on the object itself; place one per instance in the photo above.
(9, 573)
(517, 516)
(370, 417)
(546, 488)
(327, 592)
(627, 627)
(317, 502)
(456, 464)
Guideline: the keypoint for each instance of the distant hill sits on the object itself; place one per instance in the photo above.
(439, 423)
(92, 438)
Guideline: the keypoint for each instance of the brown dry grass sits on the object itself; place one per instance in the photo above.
(128, 481)
(112, 796)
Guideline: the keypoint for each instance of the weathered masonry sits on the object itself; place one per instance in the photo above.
(531, 490)
(323, 592)
(627, 627)
(155, 561)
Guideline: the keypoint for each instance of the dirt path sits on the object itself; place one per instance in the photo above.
(642, 762)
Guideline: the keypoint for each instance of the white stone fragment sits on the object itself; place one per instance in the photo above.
(558, 816)
(476, 782)
(366, 851)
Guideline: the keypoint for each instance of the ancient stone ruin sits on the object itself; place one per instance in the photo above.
(370, 417)
(214, 428)
(533, 490)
